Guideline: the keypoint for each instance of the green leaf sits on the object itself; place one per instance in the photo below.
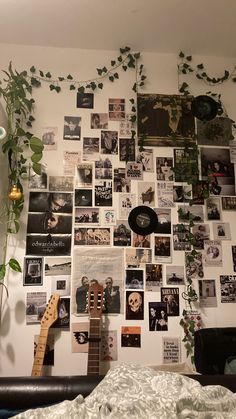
(14, 265)
(81, 89)
(35, 82)
(111, 78)
(113, 62)
(72, 87)
(69, 77)
(189, 58)
(2, 271)
(116, 75)
(36, 145)
(100, 85)
(200, 66)
(41, 73)
(58, 89)
(119, 58)
(137, 55)
(181, 54)
(104, 70)
(61, 78)
(51, 87)
(17, 226)
(37, 168)
(99, 71)
(32, 69)
(36, 157)
(124, 67)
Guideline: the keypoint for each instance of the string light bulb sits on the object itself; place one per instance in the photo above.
(15, 193)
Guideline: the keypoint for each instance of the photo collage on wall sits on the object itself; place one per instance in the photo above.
(80, 217)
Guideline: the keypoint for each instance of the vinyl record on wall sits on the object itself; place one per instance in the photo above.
(142, 220)
(204, 108)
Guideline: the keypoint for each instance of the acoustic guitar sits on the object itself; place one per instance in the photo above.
(95, 307)
(49, 317)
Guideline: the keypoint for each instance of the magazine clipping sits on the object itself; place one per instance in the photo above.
(228, 288)
(207, 293)
(170, 350)
(213, 252)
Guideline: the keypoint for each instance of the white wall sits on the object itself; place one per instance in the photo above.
(16, 345)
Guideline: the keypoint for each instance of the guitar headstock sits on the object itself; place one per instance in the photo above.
(51, 312)
(95, 300)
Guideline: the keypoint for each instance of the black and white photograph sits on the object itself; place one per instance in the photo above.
(50, 138)
(216, 132)
(164, 168)
(181, 235)
(221, 231)
(48, 244)
(63, 320)
(57, 266)
(105, 266)
(182, 193)
(134, 305)
(155, 119)
(99, 121)
(136, 258)
(121, 184)
(194, 265)
(190, 213)
(84, 175)
(164, 221)
(174, 275)
(213, 208)
(158, 319)
(101, 173)
(207, 293)
(38, 181)
(126, 126)
(146, 193)
(33, 271)
(121, 234)
(116, 109)
(49, 222)
(103, 193)
(145, 157)
(92, 236)
(109, 142)
(213, 252)
(200, 232)
(216, 166)
(200, 191)
(134, 171)
(84, 100)
(60, 284)
(162, 249)
(127, 149)
(52, 202)
(228, 288)
(87, 216)
(165, 196)
(144, 255)
(170, 296)
(185, 165)
(79, 337)
(134, 279)
(83, 197)
(61, 183)
(141, 241)
(126, 203)
(154, 276)
(35, 306)
(228, 203)
(130, 336)
(72, 128)
(91, 148)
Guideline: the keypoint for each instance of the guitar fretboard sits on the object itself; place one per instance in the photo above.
(40, 352)
(94, 346)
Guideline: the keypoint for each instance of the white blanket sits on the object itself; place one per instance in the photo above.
(136, 392)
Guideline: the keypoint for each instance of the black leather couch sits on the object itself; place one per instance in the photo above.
(212, 347)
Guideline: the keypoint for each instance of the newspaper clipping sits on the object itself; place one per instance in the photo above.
(171, 350)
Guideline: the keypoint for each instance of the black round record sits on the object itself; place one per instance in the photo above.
(204, 108)
(142, 220)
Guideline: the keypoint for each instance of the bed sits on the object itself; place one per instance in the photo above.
(132, 391)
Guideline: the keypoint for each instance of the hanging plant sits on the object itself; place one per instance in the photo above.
(22, 149)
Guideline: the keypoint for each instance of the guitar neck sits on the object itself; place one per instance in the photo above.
(94, 347)
(40, 352)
